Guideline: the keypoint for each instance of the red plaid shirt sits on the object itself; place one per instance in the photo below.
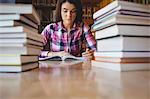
(59, 40)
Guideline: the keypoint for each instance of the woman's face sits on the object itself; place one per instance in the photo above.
(68, 13)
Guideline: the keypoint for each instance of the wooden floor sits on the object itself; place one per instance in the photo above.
(82, 82)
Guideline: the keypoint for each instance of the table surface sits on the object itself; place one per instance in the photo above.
(80, 81)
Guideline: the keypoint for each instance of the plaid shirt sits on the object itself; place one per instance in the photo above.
(59, 40)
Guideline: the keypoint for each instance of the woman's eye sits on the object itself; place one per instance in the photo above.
(65, 11)
(74, 11)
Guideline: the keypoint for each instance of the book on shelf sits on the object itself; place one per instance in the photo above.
(121, 19)
(63, 58)
(20, 49)
(121, 54)
(17, 59)
(118, 29)
(124, 43)
(26, 9)
(123, 59)
(11, 20)
(18, 68)
(125, 5)
(120, 66)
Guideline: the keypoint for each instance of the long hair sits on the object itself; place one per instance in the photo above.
(78, 6)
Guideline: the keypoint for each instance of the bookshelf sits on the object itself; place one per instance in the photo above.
(103, 3)
(46, 10)
(89, 7)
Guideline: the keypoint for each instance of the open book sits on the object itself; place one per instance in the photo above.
(63, 58)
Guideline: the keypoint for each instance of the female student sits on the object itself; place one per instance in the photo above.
(69, 35)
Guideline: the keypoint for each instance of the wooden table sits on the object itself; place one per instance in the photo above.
(77, 82)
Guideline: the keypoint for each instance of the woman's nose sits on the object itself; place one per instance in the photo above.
(69, 14)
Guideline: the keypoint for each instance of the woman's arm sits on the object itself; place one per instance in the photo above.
(91, 43)
(46, 38)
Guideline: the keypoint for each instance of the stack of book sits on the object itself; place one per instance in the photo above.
(122, 31)
(20, 43)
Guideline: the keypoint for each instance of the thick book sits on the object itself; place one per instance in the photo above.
(20, 41)
(20, 49)
(120, 19)
(18, 68)
(12, 19)
(60, 64)
(124, 43)
(121, 54)
(21, 29)
(123, 59)
(25, 9)
(114, 30)
(120, 66)
(123, 5)
(16, 59)
(17, 35)
(63, 58)
(118, 11)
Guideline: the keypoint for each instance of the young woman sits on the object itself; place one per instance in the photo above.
(69, 35)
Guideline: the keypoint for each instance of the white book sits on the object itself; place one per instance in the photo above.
(133, 30)
(26, 9)
(123, 59)
(7, 23)
(16, 59)
(21, 30)
(10, 20)
(122, 15)
(18, 68)
(33, 36)
(21, 50)
(120, 54)
(121, 67)
(117, 11)
(124, 43)
(123, 5)
(121, 19)
(20, 40)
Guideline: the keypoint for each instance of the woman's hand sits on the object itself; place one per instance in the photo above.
(88, 54)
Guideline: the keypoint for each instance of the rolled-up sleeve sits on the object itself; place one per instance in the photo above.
(46, 36)
(91, 42)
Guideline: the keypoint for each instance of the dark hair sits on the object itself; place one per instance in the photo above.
(78, 6)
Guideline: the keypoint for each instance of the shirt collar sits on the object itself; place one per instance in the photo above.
(75, 26)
